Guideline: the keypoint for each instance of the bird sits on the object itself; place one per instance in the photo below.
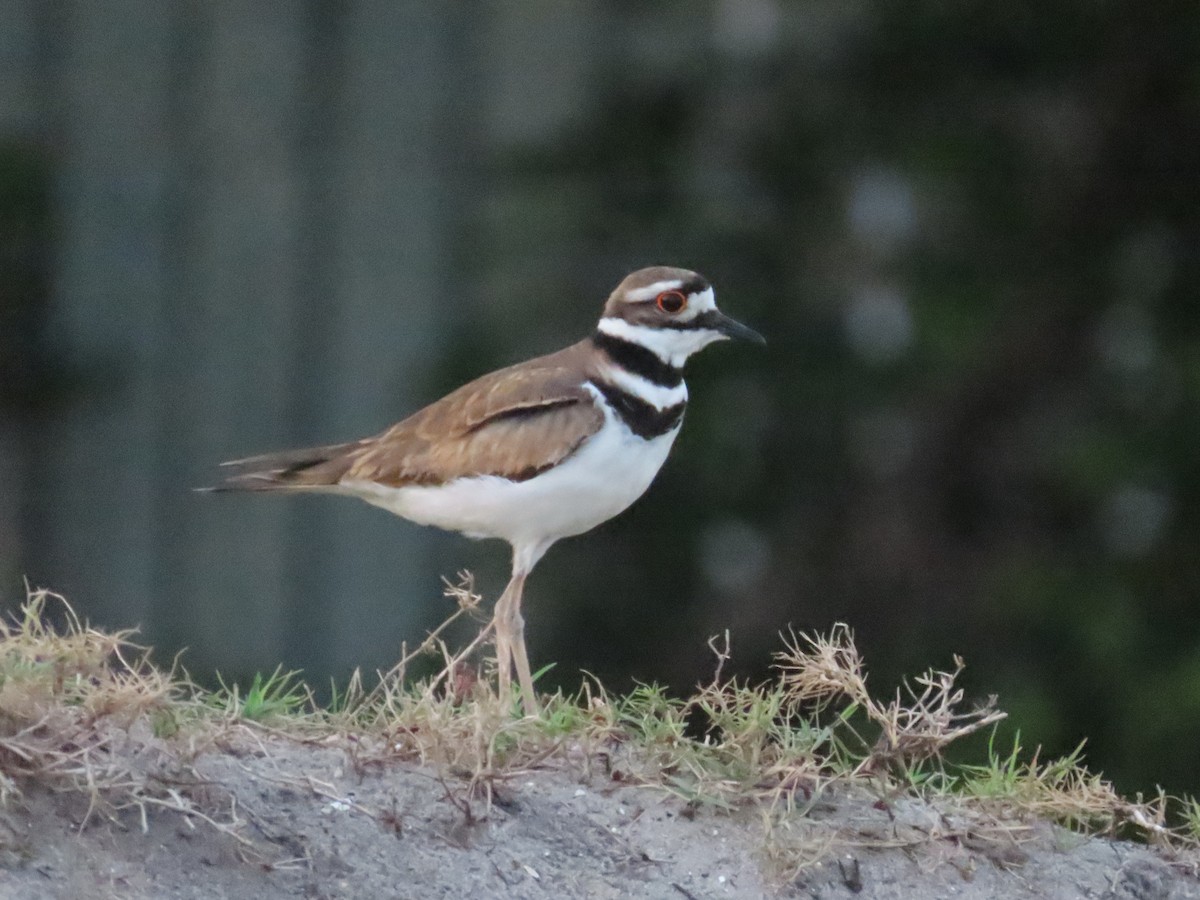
(535, 452)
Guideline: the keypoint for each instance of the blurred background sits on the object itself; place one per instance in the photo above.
(971, 233)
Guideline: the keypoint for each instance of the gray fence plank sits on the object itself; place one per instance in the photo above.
(233, 318)
(19, 108)
(18, 122)
(106, 321)
(387, 272)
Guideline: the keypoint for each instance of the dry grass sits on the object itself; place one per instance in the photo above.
(84, 711)
(71, 700)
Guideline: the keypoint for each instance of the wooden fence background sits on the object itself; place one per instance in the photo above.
(262, 237)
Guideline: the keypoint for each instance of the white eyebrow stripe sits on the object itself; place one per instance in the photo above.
(650, 291)
(655, 394)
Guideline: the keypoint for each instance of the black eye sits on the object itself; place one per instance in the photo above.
(671, 301)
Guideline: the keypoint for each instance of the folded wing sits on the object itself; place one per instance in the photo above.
(513, 423)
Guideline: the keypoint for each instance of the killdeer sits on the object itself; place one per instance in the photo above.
(536, 452)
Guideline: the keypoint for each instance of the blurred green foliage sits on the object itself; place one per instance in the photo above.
(970, 234)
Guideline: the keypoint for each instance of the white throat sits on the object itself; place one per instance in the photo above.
(672, 345)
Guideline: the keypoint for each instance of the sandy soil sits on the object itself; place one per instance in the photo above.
(310, 824)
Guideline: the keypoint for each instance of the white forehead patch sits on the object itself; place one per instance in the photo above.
(698, 304)
(701, 302)
(650, 291)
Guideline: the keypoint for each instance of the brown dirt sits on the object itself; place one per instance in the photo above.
(306, 821)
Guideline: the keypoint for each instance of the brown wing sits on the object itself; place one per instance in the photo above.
(514, 423)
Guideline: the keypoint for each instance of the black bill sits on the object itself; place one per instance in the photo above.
(731, 328)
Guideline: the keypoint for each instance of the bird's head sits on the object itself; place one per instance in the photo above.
(671, 312)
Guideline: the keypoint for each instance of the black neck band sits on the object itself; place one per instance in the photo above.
(637, 360)
(643, 419)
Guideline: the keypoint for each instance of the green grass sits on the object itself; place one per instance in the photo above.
(276, 696)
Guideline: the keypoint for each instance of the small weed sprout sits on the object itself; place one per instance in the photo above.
(279, 695)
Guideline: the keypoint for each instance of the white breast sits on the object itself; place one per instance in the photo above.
(601, 479)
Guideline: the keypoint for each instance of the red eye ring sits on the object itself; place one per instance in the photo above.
(671, 301)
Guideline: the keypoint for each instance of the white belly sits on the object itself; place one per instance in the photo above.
(601, 479)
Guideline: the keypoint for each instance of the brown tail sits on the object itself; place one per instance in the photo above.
(290, 470)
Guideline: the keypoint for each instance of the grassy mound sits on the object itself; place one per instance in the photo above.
(86, 712)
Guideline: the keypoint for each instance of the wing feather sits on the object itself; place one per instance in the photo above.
(514, 423)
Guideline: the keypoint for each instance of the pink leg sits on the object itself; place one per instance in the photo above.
(510, 643)
(510, 627)
(520, 658)
(502, 619)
